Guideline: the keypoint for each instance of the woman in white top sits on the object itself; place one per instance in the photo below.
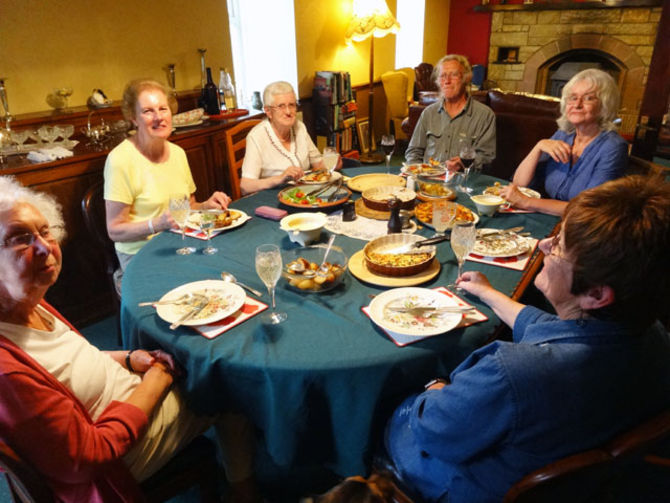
(279, 148)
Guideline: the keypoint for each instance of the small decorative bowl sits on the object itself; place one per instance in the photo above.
(429, 189)
(487, 204)
(309, 258)
(303, 228)
(189, 117)
(392, 241)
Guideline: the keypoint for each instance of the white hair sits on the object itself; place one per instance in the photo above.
(13, 193)
(605, 89)
(279, 87)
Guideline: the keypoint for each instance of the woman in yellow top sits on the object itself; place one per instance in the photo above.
(143, 170)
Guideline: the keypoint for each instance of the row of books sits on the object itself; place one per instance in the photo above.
(333, 87)
(329, 118)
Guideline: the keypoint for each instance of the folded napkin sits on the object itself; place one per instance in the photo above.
(518, 262)
(250, 309)
(49, 154)
(469, 318)
(363, 228)
(198, 234)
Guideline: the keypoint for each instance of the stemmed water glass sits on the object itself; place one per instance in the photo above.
(388, 144)
(207, 222)
(180, 209)
(19, 138)
(330, 158)
(268, 268)
(48, 134)
(444, 214)
(463, 237)
(467, 155)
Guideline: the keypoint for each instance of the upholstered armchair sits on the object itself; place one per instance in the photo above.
(398, 95)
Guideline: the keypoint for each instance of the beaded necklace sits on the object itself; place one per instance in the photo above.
(280, 148)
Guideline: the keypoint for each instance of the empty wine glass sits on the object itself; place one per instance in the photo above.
(48, 133)
(207, 223)
(388, 144)
(444, 214)
(268, 268)
(463, 236)
(467, 155)
(180, 209)
(19, 138)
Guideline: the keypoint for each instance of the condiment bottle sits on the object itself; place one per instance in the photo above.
(394, 225)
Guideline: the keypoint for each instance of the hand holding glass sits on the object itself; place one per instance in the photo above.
(180, 209)
(388, 145)
(463, 236)
(268, 268)
(444, 214)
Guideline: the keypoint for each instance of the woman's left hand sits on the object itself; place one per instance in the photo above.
(142, 360)
(217, 201)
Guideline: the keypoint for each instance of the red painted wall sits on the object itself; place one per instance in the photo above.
(469, 31)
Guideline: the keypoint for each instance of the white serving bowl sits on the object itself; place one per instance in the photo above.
(487, 204)
(303, 228)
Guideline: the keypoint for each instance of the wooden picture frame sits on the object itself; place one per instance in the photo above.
(362, 126)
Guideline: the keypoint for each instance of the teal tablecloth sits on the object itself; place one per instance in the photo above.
(318, 386)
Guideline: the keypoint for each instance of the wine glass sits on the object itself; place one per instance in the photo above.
(463, 236)
(207, 222)
(330, 158)
(180, 209)
(467, 155)
(388, 144)
(19, 138)
(268, 268)
(444, 214)
(48, 134)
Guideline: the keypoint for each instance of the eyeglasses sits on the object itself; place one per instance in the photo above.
(554, 244)
(451, 75)
(285, 106)
(25, 240)
(587, 99)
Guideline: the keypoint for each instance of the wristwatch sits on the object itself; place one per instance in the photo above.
(435, 381)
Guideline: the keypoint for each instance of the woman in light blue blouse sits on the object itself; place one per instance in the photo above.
(585, 152)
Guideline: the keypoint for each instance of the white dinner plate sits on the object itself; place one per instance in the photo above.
(429, 223)
(495, 190)
(423, 169)
(407, 324)
(226, 298)
(334, 176)
(194, 221)
(509, 245)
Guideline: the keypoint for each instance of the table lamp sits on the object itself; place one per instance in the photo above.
(370, 19)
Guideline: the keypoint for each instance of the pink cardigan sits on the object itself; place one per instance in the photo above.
(49, 428)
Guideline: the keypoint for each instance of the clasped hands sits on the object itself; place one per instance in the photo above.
(142, 361)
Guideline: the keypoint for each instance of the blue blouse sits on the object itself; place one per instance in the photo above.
(561, 387)
(604, 159)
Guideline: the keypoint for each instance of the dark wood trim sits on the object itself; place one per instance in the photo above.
(568, 5)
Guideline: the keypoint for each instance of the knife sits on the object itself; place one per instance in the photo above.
(202, 304)
(431, 310)
(413, 247)
(511, 230)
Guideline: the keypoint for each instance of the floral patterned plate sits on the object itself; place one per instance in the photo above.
(382, 313)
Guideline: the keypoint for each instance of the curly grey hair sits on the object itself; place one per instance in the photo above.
(12, 193)
(462, 60)
(279, 87)
(607, 92)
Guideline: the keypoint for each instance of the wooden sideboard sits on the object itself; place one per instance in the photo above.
(82, 293)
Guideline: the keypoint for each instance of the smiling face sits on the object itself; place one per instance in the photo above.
(451, 80)
(582, 104)
(26, 270)
(282, 111)
(153, 117)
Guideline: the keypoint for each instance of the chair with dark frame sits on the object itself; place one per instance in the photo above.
(236, 143)
(194, 465)
(424, 79)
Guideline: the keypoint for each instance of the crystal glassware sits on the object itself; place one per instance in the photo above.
(48, 134)
(180, 209)
(330, 158)
(444, 213)
(388, 144)
(19, 138)
(207, 223)
(467, 155)
(268, 268)
(463, 236)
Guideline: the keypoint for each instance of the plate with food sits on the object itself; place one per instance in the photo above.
(423, 169)
(496, 187)
(319, 177)
(223, 299)
(424, 214)
(225, 220)
(414, 311)
(308, 196)
(361, 183)
(493, 243)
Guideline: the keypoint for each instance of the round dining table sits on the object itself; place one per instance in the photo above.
(319, 386)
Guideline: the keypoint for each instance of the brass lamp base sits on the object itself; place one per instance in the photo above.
(372, 158)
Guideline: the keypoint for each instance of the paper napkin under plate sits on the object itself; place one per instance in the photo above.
(250, 309)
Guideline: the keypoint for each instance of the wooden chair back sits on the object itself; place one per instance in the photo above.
(424, 78)
(236, 143)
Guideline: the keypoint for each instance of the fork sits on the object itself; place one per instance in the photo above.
(184, 299)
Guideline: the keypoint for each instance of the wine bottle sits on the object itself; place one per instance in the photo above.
(211, 94)
(229, 92)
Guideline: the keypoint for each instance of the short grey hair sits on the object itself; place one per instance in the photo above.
(606, 90)
(462, 60)
(13, 193)
(271, 90)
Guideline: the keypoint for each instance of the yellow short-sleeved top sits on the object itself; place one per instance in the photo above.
(132, 179)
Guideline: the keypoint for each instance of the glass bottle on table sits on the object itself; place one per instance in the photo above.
(268, 267)
(463, 237)
(180, 209)
(388, 145)
(211, 96)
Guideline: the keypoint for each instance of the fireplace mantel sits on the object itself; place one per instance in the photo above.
(539, 5)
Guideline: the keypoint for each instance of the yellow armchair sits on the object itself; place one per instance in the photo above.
(398, 95)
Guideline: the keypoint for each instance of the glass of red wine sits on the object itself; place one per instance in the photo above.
(467, 156)
(388, 144)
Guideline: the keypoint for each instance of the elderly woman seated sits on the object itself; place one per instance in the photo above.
(569, 381)
(585, 152)
(90, 422)
(279, 148)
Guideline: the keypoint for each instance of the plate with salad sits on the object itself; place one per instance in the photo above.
(307, 196)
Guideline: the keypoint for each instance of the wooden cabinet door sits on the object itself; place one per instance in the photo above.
(201, 160)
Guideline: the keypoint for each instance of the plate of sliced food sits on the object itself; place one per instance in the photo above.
(497, 186)
(226, 219)
(424, 214)
(319, 177)
(494, 243)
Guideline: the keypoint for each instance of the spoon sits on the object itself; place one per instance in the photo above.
(322, 268)
(226, 276)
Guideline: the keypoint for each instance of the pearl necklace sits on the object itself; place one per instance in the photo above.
(280, 148)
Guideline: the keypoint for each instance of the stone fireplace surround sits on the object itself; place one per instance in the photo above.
(625, 36)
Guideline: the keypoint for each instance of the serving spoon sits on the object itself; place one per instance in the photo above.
(228, 277)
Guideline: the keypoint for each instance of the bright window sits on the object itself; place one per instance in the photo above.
(409, 40)
(262, 34)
